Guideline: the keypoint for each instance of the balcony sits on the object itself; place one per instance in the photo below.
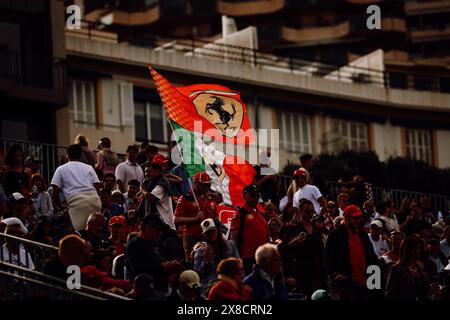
(430, 34)
(316, 33)
(393, 24)
(415, 8)
(115, 16)
(249, 7)
(45, 82)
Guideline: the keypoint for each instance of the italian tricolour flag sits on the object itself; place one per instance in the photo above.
(200, 114)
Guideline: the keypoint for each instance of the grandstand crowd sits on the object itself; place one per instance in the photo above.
(143, 229)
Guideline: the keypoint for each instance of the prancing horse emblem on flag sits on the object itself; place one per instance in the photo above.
(225, 112)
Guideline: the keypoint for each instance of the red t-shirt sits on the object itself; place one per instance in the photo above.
(186, 207)
(255, 232)
(357, 258)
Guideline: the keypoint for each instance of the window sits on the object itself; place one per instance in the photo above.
(295, 132)
(150, 122)
(418, 145)
(82, 102)
(353, 134)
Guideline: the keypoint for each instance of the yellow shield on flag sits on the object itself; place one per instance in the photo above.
(224, 112)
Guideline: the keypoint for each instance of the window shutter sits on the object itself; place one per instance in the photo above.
(126, 103)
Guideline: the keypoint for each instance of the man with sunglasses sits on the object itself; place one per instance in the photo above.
(249, 228)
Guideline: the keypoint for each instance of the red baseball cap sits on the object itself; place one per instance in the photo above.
(160, 159)
(117, 219)
(202, 177)
(300, 172)
(352, 211)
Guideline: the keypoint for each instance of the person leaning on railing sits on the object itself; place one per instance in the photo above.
(13, 251)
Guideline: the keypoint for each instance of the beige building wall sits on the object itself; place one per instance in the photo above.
(109, 119)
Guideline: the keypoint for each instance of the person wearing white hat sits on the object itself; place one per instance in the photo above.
(380, 246)
(188, 287)
(13, 251)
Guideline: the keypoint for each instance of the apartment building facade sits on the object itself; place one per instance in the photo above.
(111, 94)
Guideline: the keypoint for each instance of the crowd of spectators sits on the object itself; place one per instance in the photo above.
(143, 229)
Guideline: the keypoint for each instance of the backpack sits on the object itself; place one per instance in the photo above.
(111, 158)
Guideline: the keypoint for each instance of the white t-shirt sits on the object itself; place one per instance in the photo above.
(164, 206)
(309, 192)
(74, 177)
(20, 259)
(380, 247)
(126, 171)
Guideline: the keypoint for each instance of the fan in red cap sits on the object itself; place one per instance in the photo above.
(160, 159)
(352, 211)
(202, 177)
(192, 208)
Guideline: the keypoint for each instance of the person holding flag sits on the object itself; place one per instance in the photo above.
(192, 208)
(203, 116)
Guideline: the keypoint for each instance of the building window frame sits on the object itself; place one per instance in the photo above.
(354, 134)
(419, 144)
(84, 113)
(148, 105)
(295, 131)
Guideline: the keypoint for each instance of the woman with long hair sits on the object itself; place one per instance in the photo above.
(15, 178)
(42, 200)
(408, 279)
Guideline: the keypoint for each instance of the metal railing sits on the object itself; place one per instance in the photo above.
(32, 255)
(22, 274)
(243, 55)
(380, 194)
(50, 154)
(18, 283)
(48, 76)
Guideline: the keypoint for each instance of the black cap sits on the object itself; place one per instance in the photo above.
(153, 219)
(250, 188)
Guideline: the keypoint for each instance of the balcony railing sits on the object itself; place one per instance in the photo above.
(12, 68)
(249, 7)
(244, 55)
(50, 154)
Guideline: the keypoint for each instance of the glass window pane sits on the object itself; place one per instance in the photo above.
(344, 129)
(305, 132)
(287, 123)
(79, 101)
(362, 131)
(156, 123)
(353, 129)
(140, 121)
